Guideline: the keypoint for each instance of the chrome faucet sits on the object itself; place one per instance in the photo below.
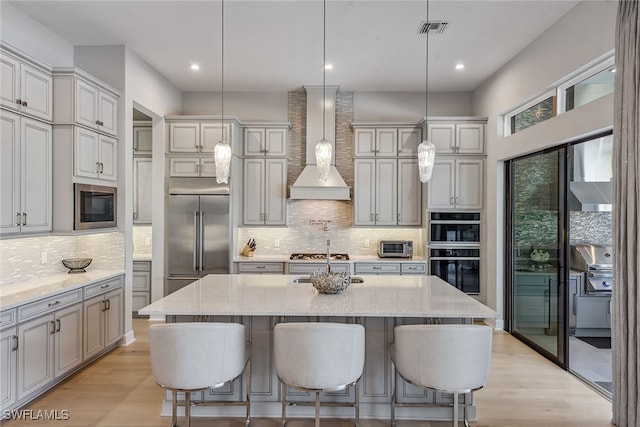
(328, 256)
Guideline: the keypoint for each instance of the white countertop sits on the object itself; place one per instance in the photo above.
(30, 290)
(352, 258)
(142, 257)
(277, 295)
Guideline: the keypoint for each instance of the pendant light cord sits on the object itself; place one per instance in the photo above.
(426, 74)
(222, 75)
(324, 64)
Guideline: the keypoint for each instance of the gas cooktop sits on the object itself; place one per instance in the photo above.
(319, 257)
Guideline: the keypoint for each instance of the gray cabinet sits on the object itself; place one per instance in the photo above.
(141, 285)
(261, 267)
(457, 183)
(142, 138)
(103, 316)
(265, 191)
(266, 141)
(142, 180)
(457, 138)
(8, 366)
(390, 267)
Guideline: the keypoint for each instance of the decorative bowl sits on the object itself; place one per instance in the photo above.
(330, 283)
(77, 265)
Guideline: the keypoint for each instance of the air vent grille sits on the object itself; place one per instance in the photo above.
(432, 27)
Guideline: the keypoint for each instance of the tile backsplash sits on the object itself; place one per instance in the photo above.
(21, 258)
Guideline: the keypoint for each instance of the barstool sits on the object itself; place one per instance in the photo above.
(446, 358)
(319, 357)
(190, 357)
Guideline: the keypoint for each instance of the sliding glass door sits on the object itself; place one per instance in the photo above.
(536, 241)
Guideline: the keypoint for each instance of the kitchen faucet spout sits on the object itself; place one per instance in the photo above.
(328, 256)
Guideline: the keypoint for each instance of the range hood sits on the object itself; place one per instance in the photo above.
(591, 188)
(307, 185)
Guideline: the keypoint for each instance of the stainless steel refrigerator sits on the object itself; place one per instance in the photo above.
(198, 230)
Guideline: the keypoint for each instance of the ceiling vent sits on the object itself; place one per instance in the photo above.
(432, 27)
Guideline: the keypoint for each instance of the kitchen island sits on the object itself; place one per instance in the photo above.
(379, 303)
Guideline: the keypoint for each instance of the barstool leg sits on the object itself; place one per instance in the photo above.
(317, 409)
(187, 409)
(248, 374)
(174, 408)
(455, 409)
(284, 403)
(357, 403)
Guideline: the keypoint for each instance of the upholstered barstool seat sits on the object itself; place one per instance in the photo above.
(446, 358)
(189, 357)
(318, 357)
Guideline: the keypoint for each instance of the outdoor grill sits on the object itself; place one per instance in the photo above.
(596, 261)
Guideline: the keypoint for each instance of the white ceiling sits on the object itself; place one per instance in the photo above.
(277, 45)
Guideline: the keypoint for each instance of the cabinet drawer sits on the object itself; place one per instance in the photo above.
(102, 287)
(8, 318)
(308, 268)
(377, 268)
(261, 267)
(412, 268)
(142, 266)
(49, 305)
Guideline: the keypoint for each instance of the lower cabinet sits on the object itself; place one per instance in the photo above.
(49, 347)
(141, 285)
(103, 322)
(8, 366)
(390, 268)
(260, 267)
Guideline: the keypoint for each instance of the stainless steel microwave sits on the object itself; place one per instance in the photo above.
(95, 207)
(395, 249)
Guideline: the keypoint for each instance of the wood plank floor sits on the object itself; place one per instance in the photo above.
(523, 390)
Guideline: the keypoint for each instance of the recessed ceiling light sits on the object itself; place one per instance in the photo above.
(195, 67)
(459, 66)
(328, 67)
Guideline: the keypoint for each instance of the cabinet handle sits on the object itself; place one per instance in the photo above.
(108, 304)
(266, 216)
(18, 218)
(53, 327)
(104, 305)
(412, 268)
(372, 218)
(377, 267)
(105, 286)
(452, 200)
(261, 266)
(51, 304)
(19, 101)
(101, 167)
(57, 325)
(15, 343)
(98, 122)
(97, 167)
(24, 103)
(24, 218)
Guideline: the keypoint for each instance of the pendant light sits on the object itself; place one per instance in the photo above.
(222, 150)
(324, 149)
(426, 149)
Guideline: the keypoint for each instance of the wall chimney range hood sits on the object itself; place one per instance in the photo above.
(307, 186)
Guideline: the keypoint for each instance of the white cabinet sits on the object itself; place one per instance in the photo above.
(8, 366)
(95, 155)
(408, 141)
(142, 138)
(387, 141)
(192, 166)
(141, 285)
(25, 87)
(142, 179)
(103, 316)
(409, 193)
(197, 137)
(375, 195)
(261, 141)
(456, 184)
(457, 138)
(265, 190)
(26, 174)
(49, 347)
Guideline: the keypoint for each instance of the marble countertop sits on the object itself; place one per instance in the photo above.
(277, 295)
(27, 291)
(352, 258)
(141, 257)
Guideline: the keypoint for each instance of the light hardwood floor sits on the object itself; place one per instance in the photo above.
(524, 390)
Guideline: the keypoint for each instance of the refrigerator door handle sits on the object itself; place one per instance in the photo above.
(196, 241)
(201, 245)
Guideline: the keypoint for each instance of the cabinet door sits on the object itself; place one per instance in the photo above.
(409, 193)
(93, 326)
(86, 147)
(35, 354)
(10, 82)
(108, 156)
(211, 134)
(386, 142)
(142, 139)
(184, 166)
(408, 141)
(184, 137)
(36, 91)
(442, 135)
(470, 138)
(386, 191)
(276, 142)
(108, 113)
(441, 188)
(254, 191)
(68, 339)
(593, 312)
(142, 179)
(86, 104)
(36, 175)
(275, 192)
(365, 142)
(114, 317)
(8, 367)
(469, 183)
(254, 142)
(364, 192)
(10, 171)
(208, 166)
(141, 280)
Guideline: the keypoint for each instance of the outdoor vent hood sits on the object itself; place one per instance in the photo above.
(308, 186)
(591, 188)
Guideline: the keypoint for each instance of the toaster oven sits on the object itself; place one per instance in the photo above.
(395, 249)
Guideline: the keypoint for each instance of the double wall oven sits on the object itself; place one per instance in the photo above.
(454, 249)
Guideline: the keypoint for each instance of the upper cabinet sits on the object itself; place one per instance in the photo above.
(266, 141)
(142, 139)
(457, 138)
(457, 183)
(386, 141)
(197, 137)
(82, 100)
(26, 86)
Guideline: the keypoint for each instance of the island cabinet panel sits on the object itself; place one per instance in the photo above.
(265, 387)
(376, 384)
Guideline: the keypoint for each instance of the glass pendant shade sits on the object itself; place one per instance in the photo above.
(324, 151)
(222, 154)
(426, 158)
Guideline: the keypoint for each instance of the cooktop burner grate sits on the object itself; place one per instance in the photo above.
(319, 257)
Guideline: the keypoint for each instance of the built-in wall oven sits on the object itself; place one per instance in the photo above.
(454, 249)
